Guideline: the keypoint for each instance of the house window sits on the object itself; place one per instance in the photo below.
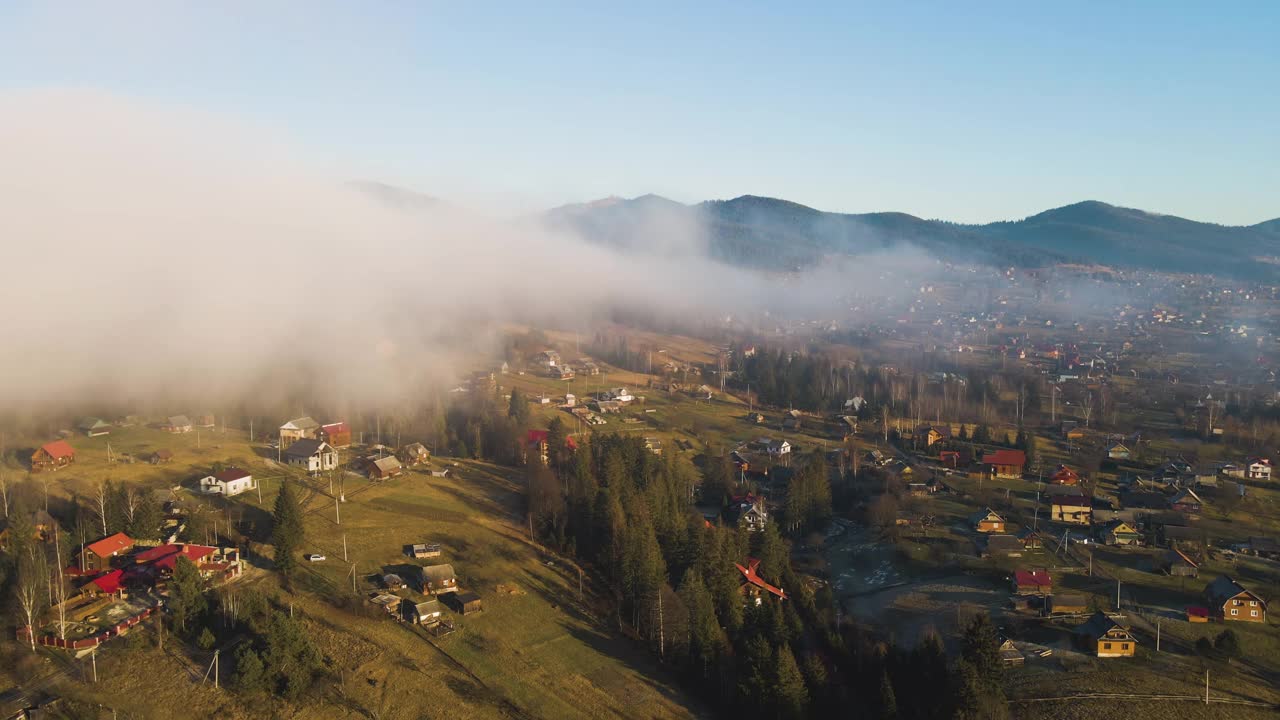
(1235, 611)
(1106, 646)
(1253, 603)
(1253, 613)
(1124, 646)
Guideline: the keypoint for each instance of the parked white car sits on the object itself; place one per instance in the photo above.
(316, 557)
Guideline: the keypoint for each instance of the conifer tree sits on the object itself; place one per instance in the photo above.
(287, 532)
(790, 695)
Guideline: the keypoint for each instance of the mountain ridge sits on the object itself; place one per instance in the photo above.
(763, 231)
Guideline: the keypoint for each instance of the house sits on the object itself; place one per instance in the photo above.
(337, 434)
(987, 521)
(423, 551)
(1106, 637)
(954, 459)
(468, 603)
(653, 445)
(1074, 434)
(739, 461)
(160, 457)
(1186, 501)
(1004, 463)
(619, 394)
(392, 581)
(749, 511)
(1066, 604)
(1065, 476)
(227, 483)
(792, 422)
(414, 454)
(384, 468)
(753, 587)
(590, 368)
(423, 613)
(51, 456)
(1001, 546)
(1264, 547)
(875, 457)
(755, 418)
(97, 556)
(547, 358)
(775, 448)
(933, 434)
(178, 424)
(1117, 451)
(303, 428)
(315, 456)
(437, 579)
(1258, 469)
(1229, 600)
(93, 427)
(1122, 534)
(537, 440)
(1010, 655)
(111, 583)
(1032, 582)
(206, 420)
(1177, 563)
(1030, 539)
(1073, 509)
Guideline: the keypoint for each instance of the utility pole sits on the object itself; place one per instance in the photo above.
(94, 655)
(336, 512)
(344, 547)
(1206, 687)
(1157, 634)
(1117, 593)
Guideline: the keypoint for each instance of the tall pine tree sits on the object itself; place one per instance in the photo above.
(287, 532)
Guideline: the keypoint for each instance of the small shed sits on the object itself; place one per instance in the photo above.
(1010, 655)
(423, 550)
(392, 581)
(1197, 614)
(424, 613)
(1067, 604)
(469, 602)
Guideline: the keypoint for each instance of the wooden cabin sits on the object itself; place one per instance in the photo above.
(52, 456)
(1106, 638)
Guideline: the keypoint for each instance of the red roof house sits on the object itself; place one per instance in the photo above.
(1005, 463)
(1065, 476)
(108, 584)
(165, 557)
(336, 434)
(753, 585)
(97, 555)
(1026, 582)
(52, 456)
(538, 439)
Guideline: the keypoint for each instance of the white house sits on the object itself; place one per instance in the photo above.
(1259, 469)
(231, 481)
(621, 394)
(778, 447)
(314, 455)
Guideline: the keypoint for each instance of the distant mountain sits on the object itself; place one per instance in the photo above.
(772, 233)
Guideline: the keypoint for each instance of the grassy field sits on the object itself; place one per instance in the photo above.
(536, 651)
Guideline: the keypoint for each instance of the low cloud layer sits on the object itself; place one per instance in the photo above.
(155, 254)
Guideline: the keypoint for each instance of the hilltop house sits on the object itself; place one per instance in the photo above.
(1258, 469)
(97, 556)
(1177, 563)
(1229, 600)
(1032, 582)
(424, 613)
(754, 588)
(437, 579)
(933, 434)
(748, 511)
(1121, 533)
(1186, 501)
(51, 456)
(93, 427)
(1072, 509)
(414, 454)
(1106, 637)
(178, 424)
(1065, 476)
(338, 434)
(537, 440)
(383, 468)
(987, 521)
(1117, 451)
(314, 455)
(227, 483)
(1004, 464)
(303, 428)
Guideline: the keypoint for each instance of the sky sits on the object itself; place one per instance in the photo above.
(965, 111)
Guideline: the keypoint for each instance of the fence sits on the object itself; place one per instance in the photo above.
(24, 633)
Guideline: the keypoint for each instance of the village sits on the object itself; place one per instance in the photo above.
(1083, 539)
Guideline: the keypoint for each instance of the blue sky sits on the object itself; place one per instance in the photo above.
(965, 111)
